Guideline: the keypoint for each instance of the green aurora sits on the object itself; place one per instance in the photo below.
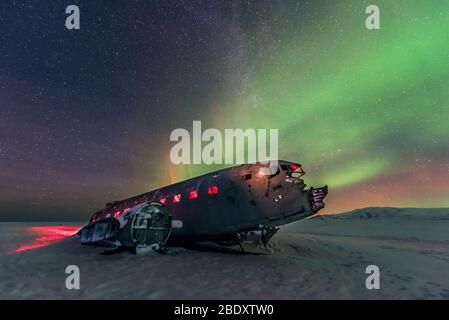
(354, 106)
(87, 114)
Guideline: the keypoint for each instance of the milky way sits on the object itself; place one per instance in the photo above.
(86, 114)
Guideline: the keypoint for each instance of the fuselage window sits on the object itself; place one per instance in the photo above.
(193, 194)
(212, 190)
(177, 198)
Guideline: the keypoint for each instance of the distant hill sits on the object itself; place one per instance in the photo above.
(412, 224)
(390, 213)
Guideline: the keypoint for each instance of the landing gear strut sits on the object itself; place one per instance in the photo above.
(262, 235)
(267, 234)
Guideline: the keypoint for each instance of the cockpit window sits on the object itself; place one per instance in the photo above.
(293, 170)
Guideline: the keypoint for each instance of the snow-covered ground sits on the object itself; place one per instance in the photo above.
(319, 258)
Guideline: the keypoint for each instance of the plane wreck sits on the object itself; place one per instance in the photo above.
(228, 206)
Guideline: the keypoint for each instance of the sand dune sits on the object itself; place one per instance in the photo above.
(319, 258)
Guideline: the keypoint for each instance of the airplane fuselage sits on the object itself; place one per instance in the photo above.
(220, 205)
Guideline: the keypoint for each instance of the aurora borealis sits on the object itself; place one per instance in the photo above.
(87, 114)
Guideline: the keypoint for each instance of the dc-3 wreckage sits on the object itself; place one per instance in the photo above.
(248, 202)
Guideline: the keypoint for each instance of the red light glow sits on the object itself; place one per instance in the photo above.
(46, 236)
(212, 190)
(163, 200)
(294, 167)
(177, 198)
(193, 194)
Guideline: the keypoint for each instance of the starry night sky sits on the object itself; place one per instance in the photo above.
(86, 114)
